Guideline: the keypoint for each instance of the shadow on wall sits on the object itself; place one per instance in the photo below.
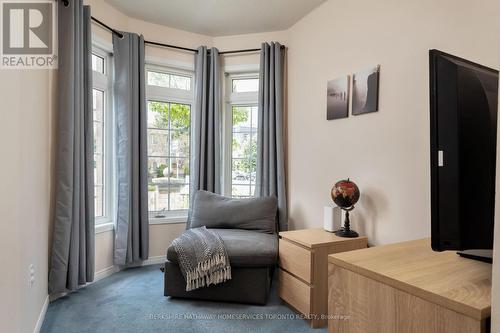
(365, 217)
(297, 221)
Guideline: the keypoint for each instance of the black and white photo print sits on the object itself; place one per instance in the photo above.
(338, 98)
(365, 91)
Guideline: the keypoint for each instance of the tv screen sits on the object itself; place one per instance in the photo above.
(463, 115)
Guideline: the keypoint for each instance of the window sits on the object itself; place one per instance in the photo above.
(99, 149)
(170, 96)
(245, 85)
(243, 150)
(241, 123)
(167, 80)
(102, 103)
(97, 63)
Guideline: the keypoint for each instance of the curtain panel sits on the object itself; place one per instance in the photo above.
(206, 123)
(132, 226)
(270, 178)
(72, 256)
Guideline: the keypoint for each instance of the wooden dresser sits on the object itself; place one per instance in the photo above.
(407, 287)
(303, 269)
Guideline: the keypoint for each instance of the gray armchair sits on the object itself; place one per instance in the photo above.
(248, 230)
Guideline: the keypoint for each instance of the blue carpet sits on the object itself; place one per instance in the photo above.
(132, 301)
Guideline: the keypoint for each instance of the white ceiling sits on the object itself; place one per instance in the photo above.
(219, 17)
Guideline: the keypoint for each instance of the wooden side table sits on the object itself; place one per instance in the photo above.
(303, 272)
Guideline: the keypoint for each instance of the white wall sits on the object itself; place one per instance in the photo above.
(386, 153)
(26, 147)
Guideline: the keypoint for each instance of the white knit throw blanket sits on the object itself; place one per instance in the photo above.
(202, 257)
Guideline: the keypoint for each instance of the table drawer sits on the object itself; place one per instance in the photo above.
(294, 292)
(295, 260)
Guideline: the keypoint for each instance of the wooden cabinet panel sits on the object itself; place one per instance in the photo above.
(294, 292)
(443, 278)
(295, 259)
(303, 269)
(357, 304)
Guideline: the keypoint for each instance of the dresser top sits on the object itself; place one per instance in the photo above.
(444, 278)
(314, 237)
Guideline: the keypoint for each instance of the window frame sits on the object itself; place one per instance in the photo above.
(232, 99)
(104, 83)
(172, 96)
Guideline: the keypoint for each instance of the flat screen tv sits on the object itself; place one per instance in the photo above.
(463, 132)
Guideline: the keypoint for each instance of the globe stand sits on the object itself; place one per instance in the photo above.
(346, 230)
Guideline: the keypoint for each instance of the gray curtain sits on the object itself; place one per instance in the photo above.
(132, 227)
(206, 123)
(270, 180)
(72, 257)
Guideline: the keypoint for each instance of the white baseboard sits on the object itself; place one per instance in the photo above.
(108, 271)
(105, 272)
(115, 268)
(154, 260)
(41, 317)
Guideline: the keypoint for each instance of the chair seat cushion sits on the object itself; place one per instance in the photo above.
(245, 248)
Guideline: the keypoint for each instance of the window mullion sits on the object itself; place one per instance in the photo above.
(169, 158)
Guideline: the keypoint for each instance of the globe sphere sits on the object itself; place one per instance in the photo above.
(345, 193)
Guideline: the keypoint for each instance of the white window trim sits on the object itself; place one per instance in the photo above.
(102, 44)
(240, 98)
(104, 82)
(170, 216)
(170, 95)
(160, 94)
(233, 99)
(175, 65)
(104, 227)
(169, 219)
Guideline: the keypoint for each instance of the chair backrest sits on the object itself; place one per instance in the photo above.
(217, 211)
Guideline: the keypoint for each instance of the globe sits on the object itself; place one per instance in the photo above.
(345, 194)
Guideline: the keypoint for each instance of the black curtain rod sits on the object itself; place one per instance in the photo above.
(120, 35)
(104, 25)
